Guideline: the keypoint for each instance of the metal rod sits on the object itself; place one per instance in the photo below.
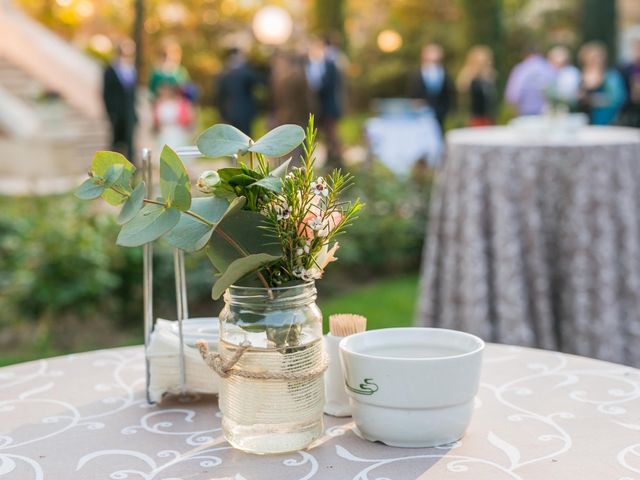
(147, 265)
(181, 307)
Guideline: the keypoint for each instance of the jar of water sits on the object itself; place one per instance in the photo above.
(272, 401)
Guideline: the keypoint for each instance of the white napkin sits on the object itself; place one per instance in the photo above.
(164, 362)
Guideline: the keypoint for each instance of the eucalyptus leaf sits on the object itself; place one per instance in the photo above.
(223, 141)
(99, 166)
(113, 174)
(133, 204)
(247, 236)
(270, 183)
(281, 170)
(148, 225)
(174, 180)
(279, 141)
(241, 180)
(240, 268)
(90, 189)
(228, 173)
(191, 234)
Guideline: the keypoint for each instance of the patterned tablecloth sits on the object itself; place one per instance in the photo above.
(539, 415)
(535, 240)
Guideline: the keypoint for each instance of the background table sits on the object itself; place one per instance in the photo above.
(536, 240)
(539, 415)
(398, 141)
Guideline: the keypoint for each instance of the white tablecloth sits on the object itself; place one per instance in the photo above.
(399, 141)
(538, 416)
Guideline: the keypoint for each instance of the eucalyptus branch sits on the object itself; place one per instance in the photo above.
(241, 251)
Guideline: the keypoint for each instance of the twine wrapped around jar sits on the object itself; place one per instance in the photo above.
(226, 368)
(271, 362)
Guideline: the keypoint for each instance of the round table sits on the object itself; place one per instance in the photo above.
(535, 240)
(538, 415)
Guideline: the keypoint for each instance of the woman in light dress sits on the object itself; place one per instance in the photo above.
(172, 117)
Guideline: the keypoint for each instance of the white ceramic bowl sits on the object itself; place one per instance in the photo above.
(412, 387)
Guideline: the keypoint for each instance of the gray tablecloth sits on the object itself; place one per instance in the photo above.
(536, 241)
(538, 416)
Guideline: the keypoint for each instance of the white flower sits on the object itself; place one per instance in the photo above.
(319, 187)
(207, 181)
(312, 273)
(303, 248)
(282, 211)
(298, 272)
(316, 224)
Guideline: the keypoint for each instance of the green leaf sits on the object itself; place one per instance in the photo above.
(279, 141)
(223, 141)
(191, 234)
(241, 180)
(174, 181)
(133, 205)
(227, 174)
(281, 170)
(113, 174)
(90, 189)
(244, 229)
(270, 183)
(99, 166)
(238, 269)
(148, 225)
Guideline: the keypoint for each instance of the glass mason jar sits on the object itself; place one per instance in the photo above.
(275, 404)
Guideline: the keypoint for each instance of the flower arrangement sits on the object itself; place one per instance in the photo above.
(259, 226)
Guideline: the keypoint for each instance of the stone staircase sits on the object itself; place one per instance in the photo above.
(60, 124)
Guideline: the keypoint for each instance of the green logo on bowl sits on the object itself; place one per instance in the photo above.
(366, 388)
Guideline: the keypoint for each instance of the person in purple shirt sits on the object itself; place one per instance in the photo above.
(119, 95)
(528, 82)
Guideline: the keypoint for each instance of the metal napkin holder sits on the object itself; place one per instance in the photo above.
(147, 285)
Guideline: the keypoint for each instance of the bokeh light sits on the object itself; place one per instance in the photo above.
(389, 41)
(272, 25)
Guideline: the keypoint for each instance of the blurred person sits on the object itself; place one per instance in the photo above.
(235, 97)
(433, 84)
(630, 114)
(325, 82)
(288, 90)
(168, 69)
(172, 117)
(478, 79)
(602, 92)
(566, 84)
(528, 82)
(119, 94)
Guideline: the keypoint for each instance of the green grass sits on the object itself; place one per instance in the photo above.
(388, 303)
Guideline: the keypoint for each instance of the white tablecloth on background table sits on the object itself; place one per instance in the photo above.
(398, 141)
(535, 240)
(538, 416)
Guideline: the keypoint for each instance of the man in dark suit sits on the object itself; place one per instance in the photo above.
(433, 84)
(119, 94)
(235, 92)
(325, 82)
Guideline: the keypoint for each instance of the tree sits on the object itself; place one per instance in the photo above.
(329, 17)
(484, 25)
(599, 23)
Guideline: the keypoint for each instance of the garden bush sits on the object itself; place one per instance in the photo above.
(65, 285)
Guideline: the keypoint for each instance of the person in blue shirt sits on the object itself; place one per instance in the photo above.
(602, 91)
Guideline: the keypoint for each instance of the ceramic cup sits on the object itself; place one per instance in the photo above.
(412, 387)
